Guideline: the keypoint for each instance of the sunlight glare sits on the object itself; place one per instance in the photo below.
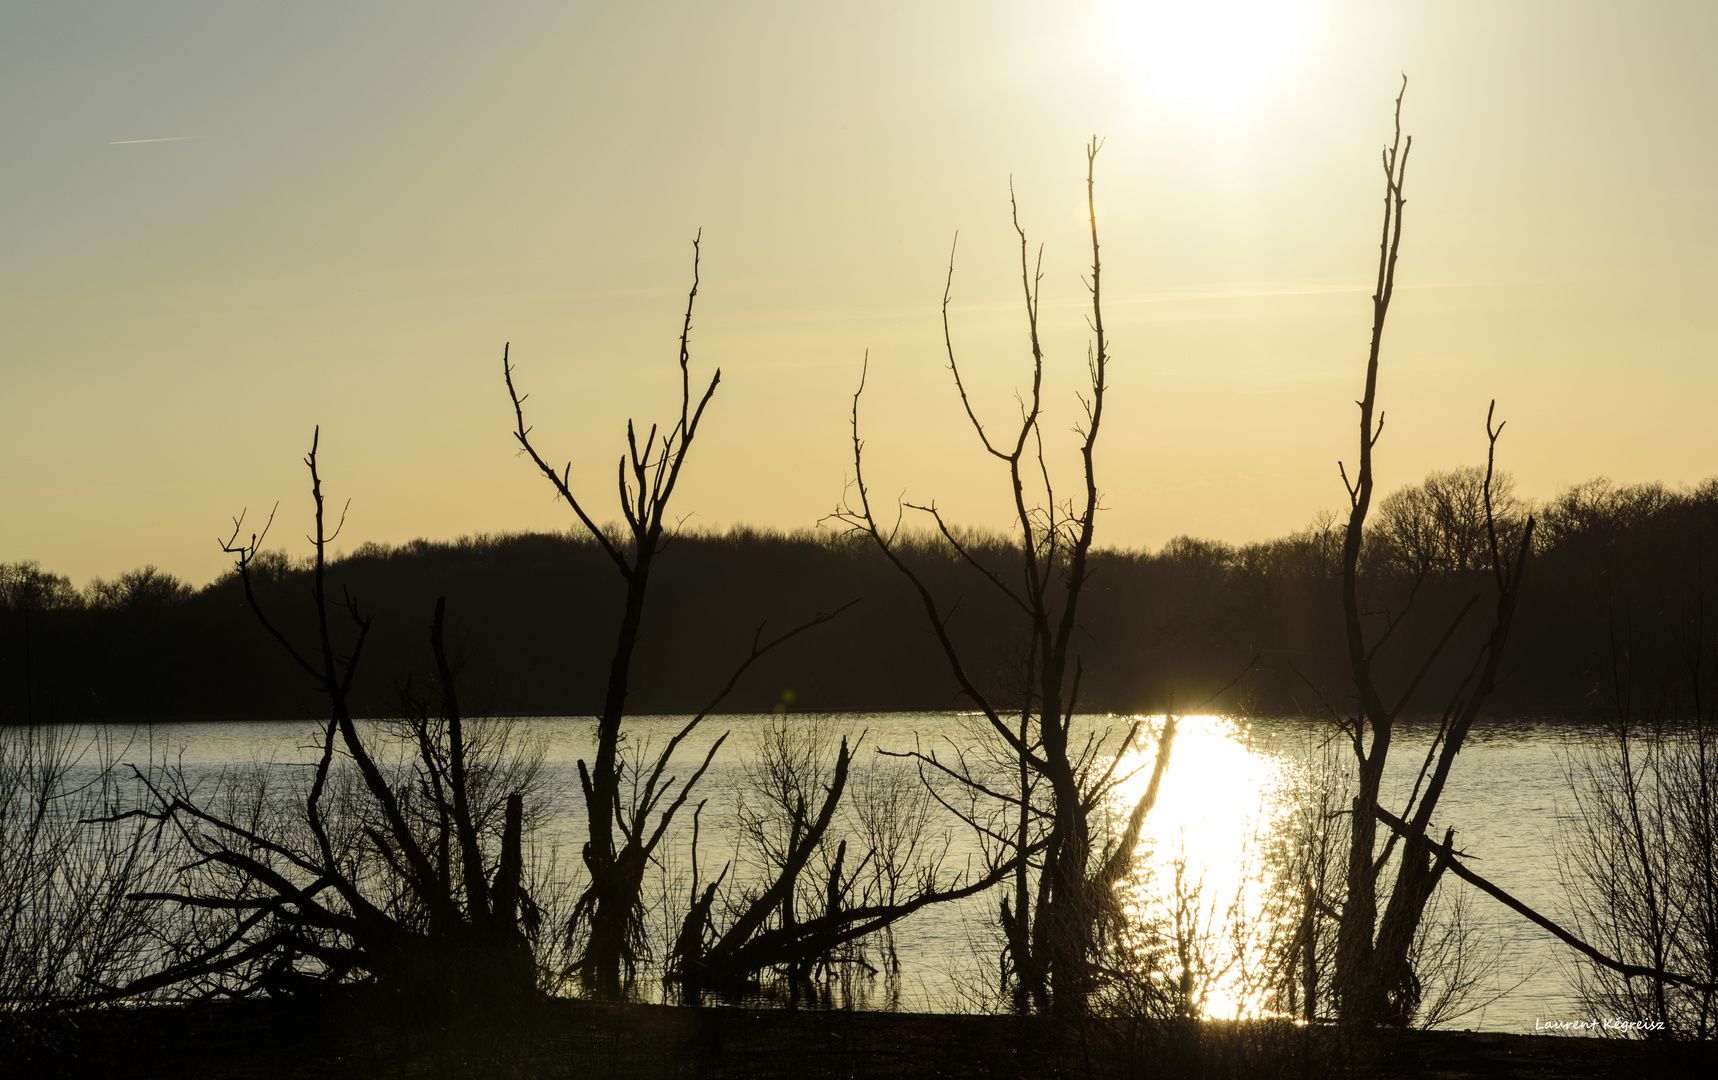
(1221, 804)
(1210, 54)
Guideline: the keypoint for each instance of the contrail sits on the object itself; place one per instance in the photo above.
(170, 138)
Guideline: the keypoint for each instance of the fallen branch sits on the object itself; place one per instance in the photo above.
(1447, 857)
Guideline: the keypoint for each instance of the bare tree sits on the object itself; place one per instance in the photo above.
(357, 886)
(1457, 963)
(1374, 976)
(609, 914)
(67, 924)
(864, 874)
(1438, 526)
(1639, 857)
(1045, 816)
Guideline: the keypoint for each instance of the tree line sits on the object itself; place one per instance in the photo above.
(1157, 628)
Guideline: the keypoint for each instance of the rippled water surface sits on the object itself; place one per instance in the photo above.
(1232, 790)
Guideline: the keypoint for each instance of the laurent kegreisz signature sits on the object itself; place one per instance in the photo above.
(1598, 1023)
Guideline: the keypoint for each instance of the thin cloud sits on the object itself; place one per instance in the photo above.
(170, 138)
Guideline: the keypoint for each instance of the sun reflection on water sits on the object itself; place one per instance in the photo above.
(1208, 864)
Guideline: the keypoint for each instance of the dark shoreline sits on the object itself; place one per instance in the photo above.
(532, 615)
(361, 1039)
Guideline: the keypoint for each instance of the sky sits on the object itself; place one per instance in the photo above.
(227, 223)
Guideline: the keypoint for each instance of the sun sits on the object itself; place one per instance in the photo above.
(1216, 55)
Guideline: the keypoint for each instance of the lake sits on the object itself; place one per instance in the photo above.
(1233, 787)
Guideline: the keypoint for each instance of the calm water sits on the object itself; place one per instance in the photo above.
(1230, 789)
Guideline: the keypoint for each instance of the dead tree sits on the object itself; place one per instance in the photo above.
(608, 913)
(766, 930)
(1374, 980)
(436, 911)
(1065, 873)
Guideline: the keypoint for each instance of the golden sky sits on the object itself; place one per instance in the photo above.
(228, 222)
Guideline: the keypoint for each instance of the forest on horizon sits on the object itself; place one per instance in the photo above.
(1616, 574)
